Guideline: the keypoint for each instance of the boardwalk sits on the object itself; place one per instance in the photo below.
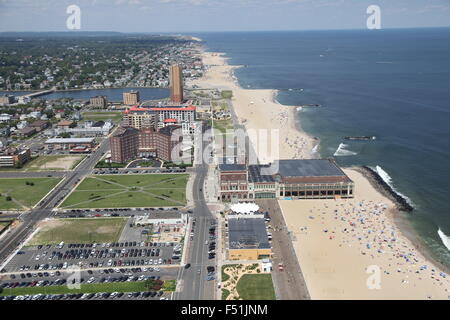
(289, 283)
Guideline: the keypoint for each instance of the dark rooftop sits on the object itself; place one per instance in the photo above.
(254, 174)
(309, 168)
(247, 233)
(169, 130)
(125, 131)
(232, 167)
(296, 168)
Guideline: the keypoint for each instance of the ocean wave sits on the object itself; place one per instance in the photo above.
(388, 179)
(342, 152)
(444, 238)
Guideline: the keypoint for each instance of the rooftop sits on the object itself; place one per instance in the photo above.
(247, 233)
(309, 168)
(70, 140)
(232, 167)
(124, 131)
(162, 108)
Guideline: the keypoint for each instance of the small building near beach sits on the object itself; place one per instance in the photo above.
(247, 238)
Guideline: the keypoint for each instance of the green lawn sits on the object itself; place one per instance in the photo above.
(122, 191)
(79, 231)
(225, 294)
(227, 94)
(256, 287)
(97, 116)
(225, 276)
(223, 125)
(138, 286)
(23, 195)
(4, 224)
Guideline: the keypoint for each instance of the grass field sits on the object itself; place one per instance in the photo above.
(223, 125)
(225, 294)
(138, 286)
(23, 195)
(256, 287)
(79, 231)
(4, 224)
(115, 116)
(124, 191)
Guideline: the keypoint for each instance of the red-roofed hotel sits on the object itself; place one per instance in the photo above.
(160, 117)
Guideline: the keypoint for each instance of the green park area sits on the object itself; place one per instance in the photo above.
(129, 191)
(139, 286)
(95, 230)
(23, 193)
(222, 125)
(115, 116)
(226, 94)
(256, 287)
(4, 224)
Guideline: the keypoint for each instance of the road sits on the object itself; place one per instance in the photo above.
(44, 208)
(194, 285)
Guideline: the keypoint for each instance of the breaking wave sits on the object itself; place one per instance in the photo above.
(444, 238)
(387, 178)
(342, 152)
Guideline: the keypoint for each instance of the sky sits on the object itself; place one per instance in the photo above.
(184, 16)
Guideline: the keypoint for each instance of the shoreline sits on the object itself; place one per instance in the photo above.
(270, 114)
(400, 216)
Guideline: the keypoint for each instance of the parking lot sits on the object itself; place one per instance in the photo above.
(147, 295)
(135, 171)
(117, 212)
(119, 254)
(121, 262)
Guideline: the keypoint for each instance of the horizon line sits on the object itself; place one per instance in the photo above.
(223, 31)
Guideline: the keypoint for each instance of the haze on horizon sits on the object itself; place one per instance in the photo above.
(183, 16)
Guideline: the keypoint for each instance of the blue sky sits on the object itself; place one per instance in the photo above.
(219, 15)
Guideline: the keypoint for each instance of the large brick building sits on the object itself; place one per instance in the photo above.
(129, 143)
(176, 83)
(124, 145)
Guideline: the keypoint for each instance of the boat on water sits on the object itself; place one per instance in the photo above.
(361, 138)
(312, 105)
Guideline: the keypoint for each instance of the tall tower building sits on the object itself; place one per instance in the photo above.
(176, 83)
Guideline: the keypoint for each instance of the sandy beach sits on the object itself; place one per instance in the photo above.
(340, 244)
(258, 110)
(347, 249)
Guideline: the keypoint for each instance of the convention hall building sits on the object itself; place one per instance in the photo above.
(285, 179)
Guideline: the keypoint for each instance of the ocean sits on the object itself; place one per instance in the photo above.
(391, 84)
